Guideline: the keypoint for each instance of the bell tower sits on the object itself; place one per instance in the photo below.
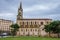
(20, 12)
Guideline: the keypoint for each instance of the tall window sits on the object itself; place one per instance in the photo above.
(23, 22)
(35, 22)
(35, 29)
(31, 29)
(41, 23)
(47, 22)
(20, 23)
(26, 30)
(21, 29)
(27, 23)
(31, 23)
(26, 26)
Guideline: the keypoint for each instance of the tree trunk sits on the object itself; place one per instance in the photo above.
(58, 35)
(49, 34)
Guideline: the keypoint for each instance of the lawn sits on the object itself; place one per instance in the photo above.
(29, 38)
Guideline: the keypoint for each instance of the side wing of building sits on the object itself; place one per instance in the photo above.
(5, 25)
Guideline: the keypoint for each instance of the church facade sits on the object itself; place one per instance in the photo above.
(30, 27)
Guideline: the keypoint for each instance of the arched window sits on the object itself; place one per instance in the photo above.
(47, 22)
(31, 29)
(20, 22)
(23, 22)
(31, 23)
(27, 23)
(26, 30)
(35, 22)
(21, 29)
(41, 23)
(35, 29)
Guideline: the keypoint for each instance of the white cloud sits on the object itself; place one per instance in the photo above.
(8, 16)
(43, 7)
(52, 16)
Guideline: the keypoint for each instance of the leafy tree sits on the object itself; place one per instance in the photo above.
(56, 27)
(48, 28)
(53, 27)
(14, 29)
(0, 31)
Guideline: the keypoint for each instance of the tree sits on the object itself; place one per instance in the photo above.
(53, 27)
(14, 29)
(48, 28)
(56, 28)
(0, 32)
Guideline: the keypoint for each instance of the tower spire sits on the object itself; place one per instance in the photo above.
(20, 4)
(20, 12)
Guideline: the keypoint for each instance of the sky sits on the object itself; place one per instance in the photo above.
(31, 9)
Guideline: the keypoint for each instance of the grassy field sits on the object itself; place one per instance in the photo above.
(29, 38)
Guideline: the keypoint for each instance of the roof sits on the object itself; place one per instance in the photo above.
(36, 19)
(6, 20)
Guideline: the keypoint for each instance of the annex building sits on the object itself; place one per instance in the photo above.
(5, 25)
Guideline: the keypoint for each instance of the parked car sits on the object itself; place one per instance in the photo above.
(3, 35)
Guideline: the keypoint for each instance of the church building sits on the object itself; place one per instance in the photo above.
(31, 26)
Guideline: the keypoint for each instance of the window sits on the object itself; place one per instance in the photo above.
(31, 29)
(31, 26)
(23, 33)
(26, 30)
(35, 29)
(20, 23)
(27, 23)
(41, 23)
(23, 22)
(21, 29)
(21, 26)
(31, 23)
(35, 22)
(47, 22)
(26, 26)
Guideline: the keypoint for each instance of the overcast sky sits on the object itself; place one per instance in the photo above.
(31, 9)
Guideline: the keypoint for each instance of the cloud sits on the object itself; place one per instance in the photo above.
(35, 8)
(8, 16)
(31, 8)
(43, 7)
(51, 16)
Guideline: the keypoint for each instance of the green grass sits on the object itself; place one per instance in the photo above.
(29, 38)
